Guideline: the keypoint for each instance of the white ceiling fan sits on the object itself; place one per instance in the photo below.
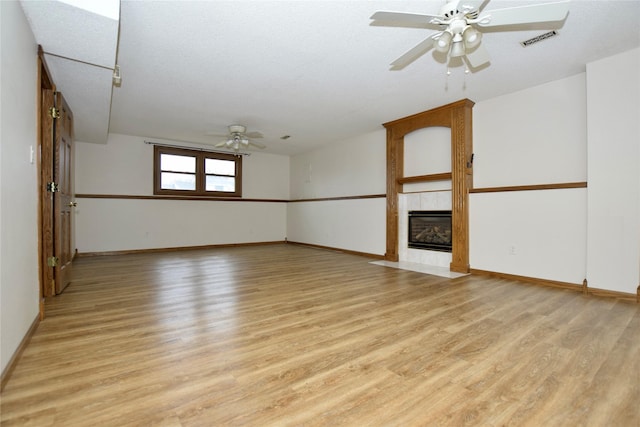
(460, 22)
(238, 137)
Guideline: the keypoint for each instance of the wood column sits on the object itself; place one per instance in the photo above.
(395, 170)
(461, 182)
(456, 116)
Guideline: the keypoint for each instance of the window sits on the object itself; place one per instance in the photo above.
(184, 172)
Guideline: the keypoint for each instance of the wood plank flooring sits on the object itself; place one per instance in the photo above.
(283, 335)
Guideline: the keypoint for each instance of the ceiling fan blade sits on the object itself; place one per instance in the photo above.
(253, 135)
(221, 144)
(467, 6)
(478, 56)
(257, 144)
(414, 53)
(545, 12)
(400, 19)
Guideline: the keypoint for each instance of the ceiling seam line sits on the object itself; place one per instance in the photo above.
(78, 60)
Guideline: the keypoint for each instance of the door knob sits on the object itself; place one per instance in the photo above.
(73, 204)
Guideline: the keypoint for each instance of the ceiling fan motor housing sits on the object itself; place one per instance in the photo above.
(237, 129)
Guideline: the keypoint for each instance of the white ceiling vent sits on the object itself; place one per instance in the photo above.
(539, 38)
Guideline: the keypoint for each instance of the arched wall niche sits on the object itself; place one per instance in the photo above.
(427, 151)
(458, 117)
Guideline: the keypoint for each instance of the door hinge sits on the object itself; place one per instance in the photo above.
(52, 261)
(54, 112)
(52, 187)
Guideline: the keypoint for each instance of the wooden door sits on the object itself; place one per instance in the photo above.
(57, 200)
(46, 215)
(63, 203)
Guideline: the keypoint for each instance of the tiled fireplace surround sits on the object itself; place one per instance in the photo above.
(424, 201)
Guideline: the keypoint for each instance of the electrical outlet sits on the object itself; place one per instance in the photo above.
(512, 250)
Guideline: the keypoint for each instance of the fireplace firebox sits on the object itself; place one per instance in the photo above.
(430, 230)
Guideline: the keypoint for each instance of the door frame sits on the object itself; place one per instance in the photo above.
(45, 174)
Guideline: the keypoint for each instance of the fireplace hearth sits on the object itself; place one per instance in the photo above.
(430, 230)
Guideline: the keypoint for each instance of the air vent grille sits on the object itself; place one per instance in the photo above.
(539, 38)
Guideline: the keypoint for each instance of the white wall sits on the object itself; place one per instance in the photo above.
(19, 287)
(119, 224)
(534, 136)
(539, 234)
(354, 167)
(354, 225)
(124, 166)
(613, 111)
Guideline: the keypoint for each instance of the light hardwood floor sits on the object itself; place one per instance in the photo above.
(284, 335)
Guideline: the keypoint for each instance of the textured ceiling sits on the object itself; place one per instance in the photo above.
(315, 70)
(80, 48)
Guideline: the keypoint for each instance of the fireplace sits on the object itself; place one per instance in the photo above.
(430, 230)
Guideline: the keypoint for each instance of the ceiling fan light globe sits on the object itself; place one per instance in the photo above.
(457, 50)
(472, 38)
(443, 42)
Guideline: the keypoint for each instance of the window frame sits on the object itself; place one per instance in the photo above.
(200, 173)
